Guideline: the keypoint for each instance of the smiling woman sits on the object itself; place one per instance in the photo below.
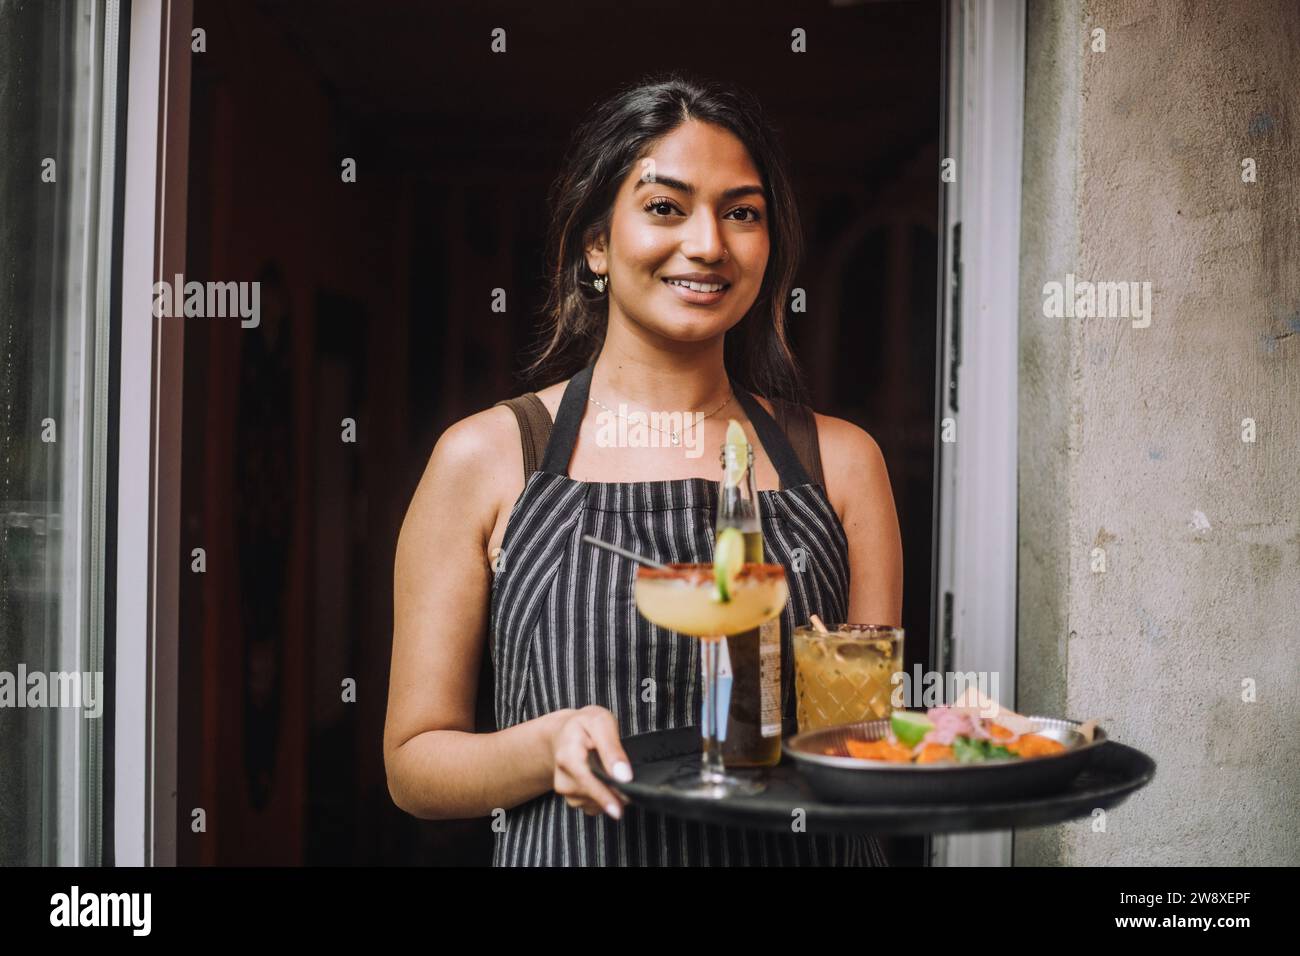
(673, 250)
(624, 178)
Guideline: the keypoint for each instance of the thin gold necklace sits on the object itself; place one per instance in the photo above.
(673, 436)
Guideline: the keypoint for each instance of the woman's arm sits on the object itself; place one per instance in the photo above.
(437, 766)
(857, 483)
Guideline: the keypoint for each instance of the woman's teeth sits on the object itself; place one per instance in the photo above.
(696, 286)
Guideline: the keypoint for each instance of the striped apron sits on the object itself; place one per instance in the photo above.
(565, 632)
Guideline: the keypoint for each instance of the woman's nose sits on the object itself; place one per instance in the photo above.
(705, 238)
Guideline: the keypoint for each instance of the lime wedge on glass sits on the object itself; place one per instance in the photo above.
(728, 557)
(736, 461)
(909, 727)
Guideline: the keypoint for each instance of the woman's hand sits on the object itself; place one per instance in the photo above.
(591, 728)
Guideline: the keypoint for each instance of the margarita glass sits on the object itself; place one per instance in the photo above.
(684, 598)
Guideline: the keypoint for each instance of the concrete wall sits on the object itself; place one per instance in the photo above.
(1131, 438)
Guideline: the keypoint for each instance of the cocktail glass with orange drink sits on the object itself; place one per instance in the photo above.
(710, 602)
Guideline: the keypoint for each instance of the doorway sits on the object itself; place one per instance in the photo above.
(373, 314)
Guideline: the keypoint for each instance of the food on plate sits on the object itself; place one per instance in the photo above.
(955, 735)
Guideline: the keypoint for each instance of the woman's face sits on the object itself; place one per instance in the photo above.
(692, 209)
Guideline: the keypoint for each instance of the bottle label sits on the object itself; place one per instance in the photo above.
(769, 663)
(724, 693)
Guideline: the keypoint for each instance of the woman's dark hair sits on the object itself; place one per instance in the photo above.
(605, 147)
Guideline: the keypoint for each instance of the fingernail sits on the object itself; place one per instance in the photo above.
(613, 810)
(622, 771)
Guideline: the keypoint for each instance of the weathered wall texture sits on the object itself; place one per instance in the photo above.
(1131, 438)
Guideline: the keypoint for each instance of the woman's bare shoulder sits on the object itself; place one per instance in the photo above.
(551, 396)
(479, 460)
(488, 442)
(851, 461)
(465, 473)
(843, 443)
(844, 446)
(474, 447)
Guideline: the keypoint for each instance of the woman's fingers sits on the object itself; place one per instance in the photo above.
(572, 791)
(570, 747)
(574, 779)
(603, 729)
(592, 787)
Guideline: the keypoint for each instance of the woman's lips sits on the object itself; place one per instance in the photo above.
(696, 298)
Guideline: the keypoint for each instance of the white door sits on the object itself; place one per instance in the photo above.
(974, 594)
(149, 452)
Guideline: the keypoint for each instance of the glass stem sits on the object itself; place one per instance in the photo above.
(711, 766)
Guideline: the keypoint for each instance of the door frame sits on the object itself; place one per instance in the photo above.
(975, 575)
(974, 589)
(149, 435)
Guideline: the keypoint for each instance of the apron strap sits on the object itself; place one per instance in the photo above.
(534, 428)
(564, 436)
(777, 446)
(799, 425)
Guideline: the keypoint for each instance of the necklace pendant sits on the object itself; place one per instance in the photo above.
(676, 438)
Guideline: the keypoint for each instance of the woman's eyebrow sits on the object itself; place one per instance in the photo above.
(734, 192)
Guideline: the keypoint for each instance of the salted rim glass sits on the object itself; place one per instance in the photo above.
(760, 594)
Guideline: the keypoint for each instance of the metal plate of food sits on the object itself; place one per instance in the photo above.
(1114, 774)
(825, 759)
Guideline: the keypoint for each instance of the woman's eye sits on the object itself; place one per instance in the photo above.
(666, 207)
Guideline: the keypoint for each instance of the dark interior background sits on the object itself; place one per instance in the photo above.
(374, 306)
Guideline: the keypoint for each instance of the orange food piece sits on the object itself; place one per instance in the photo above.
(879, 750)
(1035, 745)
(933, 753)
(1000, 732)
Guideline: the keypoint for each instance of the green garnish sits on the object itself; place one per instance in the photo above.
(970, 750)
(909, 727)
(728, 558)
(737, 461)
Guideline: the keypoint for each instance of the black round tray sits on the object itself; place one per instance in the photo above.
(1114, 772)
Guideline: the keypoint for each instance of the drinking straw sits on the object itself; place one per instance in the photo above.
(817, 623)
(630, 555)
